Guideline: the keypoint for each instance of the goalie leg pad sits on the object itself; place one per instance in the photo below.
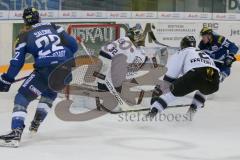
(119, 69)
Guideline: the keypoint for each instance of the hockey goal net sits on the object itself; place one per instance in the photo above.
(94, 36)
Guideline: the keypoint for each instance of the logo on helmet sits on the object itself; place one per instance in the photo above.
(31, 16)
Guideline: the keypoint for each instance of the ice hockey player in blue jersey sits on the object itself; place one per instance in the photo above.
(220, 49)
(51, 47)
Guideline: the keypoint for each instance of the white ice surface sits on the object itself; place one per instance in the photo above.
(214, 134)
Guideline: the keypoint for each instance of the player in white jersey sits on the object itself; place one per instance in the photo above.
(123, 56)
(199, 74)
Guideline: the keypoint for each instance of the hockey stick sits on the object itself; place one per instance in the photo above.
(20, 79)
(218, 61)
(222, 62)
(161, 44)
(136, 110)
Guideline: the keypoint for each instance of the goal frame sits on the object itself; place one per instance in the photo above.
(86, 60)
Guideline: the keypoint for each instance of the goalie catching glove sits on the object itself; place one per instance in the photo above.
(5, 83)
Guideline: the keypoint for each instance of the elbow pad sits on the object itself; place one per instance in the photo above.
(69, 42)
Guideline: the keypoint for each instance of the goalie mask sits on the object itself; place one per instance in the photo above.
(31, 16)
(188, 41)
(135, 34)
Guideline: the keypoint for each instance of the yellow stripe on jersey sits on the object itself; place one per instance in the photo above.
(220, 39)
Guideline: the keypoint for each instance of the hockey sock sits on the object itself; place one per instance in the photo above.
(198, 100)
(162, 102)
(20, 111)
(43, 108)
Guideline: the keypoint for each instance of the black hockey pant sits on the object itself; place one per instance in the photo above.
(205, 79)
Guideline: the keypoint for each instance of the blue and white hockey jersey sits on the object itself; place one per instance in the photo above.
(219, 47)
(47, 43)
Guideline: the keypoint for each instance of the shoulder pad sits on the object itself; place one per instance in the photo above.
(54, 25)
(59, 29)
(41, 24)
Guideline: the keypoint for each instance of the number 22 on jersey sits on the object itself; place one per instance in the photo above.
(46, 40)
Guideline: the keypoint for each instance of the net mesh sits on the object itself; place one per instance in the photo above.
(94, 36)
(83, 74)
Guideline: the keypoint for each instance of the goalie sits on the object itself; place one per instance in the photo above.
(122, 56)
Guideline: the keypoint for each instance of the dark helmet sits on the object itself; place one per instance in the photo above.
(188, 41)
(31, 16)
(136, 33)
(206, 30)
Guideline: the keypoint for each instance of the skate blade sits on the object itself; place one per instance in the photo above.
(191, 115)
(32, 133)
(10, 143)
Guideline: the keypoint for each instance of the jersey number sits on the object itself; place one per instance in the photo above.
(45, 40)
(122, 45)
(203, 55)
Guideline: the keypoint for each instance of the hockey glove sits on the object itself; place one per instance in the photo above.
(5, 83)
(229, 60)
(156, 93)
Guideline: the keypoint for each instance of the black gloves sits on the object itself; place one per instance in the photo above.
(156, 93)
(229, 60)
(5, 83)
